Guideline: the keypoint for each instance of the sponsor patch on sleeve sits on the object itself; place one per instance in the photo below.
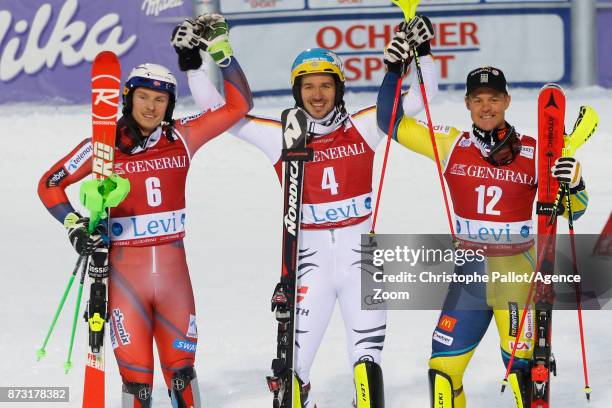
(76, 160)
(55, 179)
(527, 151)
(442, 338)
(447, 323)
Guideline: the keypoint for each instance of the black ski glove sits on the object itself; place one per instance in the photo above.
(186, 41)
(83, 243)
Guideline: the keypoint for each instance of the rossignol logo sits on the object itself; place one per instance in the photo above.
(105, 99)
(80, 157)
(292, 213)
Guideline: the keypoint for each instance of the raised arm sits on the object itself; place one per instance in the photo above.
(219, 117)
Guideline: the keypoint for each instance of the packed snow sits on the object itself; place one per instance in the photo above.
(233, 247)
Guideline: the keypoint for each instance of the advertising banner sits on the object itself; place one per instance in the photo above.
(604, 45)
(46, 47)
(531, 50)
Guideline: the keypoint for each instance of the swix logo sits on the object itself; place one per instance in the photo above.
(364, 393)
(184, 345)
(458, 169)
(154, 7)
(292, 214)
(301, 293)
(66, 41)
(447, 323)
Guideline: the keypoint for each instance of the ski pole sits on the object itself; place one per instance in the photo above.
(578, 290)
(432, 136)
(77, 307)
(396, 99)
(41, 352)
(408, 7)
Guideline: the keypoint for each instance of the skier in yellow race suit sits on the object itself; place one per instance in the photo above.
(491, 173)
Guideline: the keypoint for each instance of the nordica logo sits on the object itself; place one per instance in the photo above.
(292, 212)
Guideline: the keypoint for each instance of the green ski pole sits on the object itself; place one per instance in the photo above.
(68, 363)
(41, 352)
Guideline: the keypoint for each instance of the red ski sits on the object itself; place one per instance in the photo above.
(105, 86)
(551, 129)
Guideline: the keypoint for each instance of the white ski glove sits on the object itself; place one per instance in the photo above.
(567, 170)
(397, 54)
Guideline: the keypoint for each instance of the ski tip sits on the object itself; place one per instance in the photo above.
(106, 55)
(553, 86)
(40, 353)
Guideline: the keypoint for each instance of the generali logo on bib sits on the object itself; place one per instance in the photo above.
(38, 44)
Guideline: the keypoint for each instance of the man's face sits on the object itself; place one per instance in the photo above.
(488, 108)
(148, 108)
(318, 94)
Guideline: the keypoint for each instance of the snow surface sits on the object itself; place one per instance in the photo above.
(233, 245)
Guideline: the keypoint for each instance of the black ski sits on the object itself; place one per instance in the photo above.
(294, 154)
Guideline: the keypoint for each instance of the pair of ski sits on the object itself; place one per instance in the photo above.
(552, 144)
(104, 191)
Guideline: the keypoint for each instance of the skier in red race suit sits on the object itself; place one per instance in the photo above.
(491, 173)
(150, 294)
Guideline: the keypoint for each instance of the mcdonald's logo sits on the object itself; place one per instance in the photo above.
(447, 323)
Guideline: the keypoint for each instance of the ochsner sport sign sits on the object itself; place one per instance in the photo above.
(532, 52)
(46, 47)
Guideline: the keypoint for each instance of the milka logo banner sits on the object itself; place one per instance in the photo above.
(46, 47)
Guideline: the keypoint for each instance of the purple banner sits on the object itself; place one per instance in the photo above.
(604, 46)
(46, 48)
